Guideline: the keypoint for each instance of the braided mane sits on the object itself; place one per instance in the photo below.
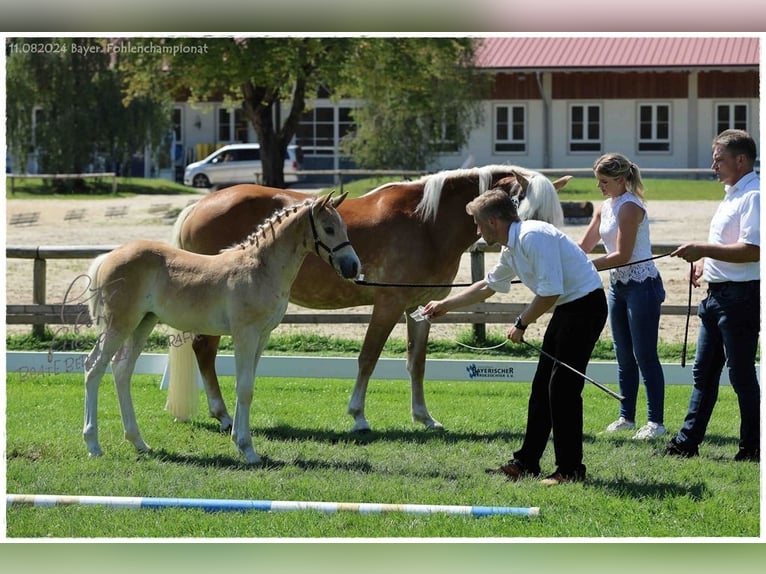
(260, 232)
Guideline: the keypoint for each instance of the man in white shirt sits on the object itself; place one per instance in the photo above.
(562, 278)
(730, 313)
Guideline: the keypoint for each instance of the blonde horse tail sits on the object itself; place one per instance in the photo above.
(96, 301)
(181, 374)
(175, 239)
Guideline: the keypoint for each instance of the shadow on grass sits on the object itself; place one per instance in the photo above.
(267, 463)
(219, 461)
(283, 433)
(651, 490)
(416, 436)
(711, 439)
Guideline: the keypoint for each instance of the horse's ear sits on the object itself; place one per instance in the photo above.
(321, 202)
(522, 181)
(338, 200)
(559, 183)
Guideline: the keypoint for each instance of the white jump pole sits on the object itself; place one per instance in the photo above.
(223, 505)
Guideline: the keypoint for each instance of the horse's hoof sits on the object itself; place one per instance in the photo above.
(361, 427)
(94, 449)
(253, 460)
(429, 423)
(226, 424)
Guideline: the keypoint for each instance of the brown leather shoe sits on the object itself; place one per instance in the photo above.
(513, 470)
(559, 477)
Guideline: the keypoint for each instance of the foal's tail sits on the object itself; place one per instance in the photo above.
(96, 298)
(181, 376)
(181, 373)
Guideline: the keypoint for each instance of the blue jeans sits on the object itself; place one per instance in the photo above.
(730, 316)
(634, 317)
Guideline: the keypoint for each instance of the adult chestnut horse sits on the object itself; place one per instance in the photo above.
(412, 232)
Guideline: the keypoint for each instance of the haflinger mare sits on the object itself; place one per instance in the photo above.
(409, 234)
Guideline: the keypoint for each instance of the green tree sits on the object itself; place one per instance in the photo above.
(255, 74)
(73, 90)
(422, 96)
(415, 87)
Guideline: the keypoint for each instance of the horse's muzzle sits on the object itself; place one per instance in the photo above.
(348, 266)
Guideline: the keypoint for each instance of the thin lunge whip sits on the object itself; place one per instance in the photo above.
(604, 388)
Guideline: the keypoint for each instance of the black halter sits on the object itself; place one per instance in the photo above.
(520, 196)
(319, 243)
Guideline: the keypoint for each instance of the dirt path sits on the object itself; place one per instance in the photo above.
(673, 222)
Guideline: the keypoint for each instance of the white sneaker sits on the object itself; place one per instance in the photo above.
(621, 424)
(649, 431)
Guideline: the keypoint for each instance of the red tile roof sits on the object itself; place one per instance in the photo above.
(608, 52)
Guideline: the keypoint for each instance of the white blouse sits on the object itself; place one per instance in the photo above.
(642, 249)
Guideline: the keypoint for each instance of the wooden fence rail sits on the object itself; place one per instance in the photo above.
(39, 313)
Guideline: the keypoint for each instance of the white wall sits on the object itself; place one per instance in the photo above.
(619, 135)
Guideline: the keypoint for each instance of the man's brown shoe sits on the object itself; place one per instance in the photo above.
(559, 477)
(513, 470)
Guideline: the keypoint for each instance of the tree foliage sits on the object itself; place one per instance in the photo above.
(256, 74)
(74, 91)
(421, 97)
(411, 88)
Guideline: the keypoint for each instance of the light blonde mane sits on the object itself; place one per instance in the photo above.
(434, 184)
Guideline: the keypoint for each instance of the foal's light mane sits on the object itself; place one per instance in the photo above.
(259, 234)
(434, 184)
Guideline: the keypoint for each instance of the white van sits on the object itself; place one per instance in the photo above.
(237, 163)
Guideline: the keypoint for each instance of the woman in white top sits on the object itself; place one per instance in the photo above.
(635, 292)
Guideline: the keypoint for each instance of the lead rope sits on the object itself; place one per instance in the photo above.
(417, 316)
(361, 281)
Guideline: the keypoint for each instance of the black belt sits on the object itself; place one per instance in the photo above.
(724, 284)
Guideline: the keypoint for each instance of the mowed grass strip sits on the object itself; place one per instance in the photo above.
(300, 429)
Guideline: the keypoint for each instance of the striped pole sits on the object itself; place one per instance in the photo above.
(223, 505)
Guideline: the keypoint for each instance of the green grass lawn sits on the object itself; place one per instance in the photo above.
(36, 188)
(300, 429)
(583, 188)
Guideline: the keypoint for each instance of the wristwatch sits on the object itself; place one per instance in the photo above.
(518, 324)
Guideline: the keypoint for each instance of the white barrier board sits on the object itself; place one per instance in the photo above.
(34, 363)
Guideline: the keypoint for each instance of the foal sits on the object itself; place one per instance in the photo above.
(242, 291)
